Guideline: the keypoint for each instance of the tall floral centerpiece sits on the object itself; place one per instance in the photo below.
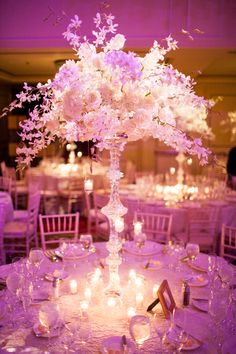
(112, 96)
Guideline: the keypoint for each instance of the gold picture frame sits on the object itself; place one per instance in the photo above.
(166, 298)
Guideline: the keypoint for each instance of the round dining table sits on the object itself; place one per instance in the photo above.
(79, 293)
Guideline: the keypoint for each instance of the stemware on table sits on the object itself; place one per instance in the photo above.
(140, 329)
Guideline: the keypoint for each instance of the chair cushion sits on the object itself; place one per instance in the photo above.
(19, 215)
(16, 228)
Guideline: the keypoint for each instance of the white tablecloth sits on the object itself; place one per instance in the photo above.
(107, 321)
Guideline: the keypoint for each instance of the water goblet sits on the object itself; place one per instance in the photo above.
(140, 329)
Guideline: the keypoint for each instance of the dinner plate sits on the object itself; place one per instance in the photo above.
(54, 332)
(152, 265)
(73, 251)
(114, 345)
(199, 264)
(150, 248)
(201, 304)
(197, 280)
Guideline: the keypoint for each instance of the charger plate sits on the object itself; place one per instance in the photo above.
(150, 248)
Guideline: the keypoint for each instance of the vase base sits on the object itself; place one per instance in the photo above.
(112, 299)
(111, 292)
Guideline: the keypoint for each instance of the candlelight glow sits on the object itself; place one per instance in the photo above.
(73, 286)
(138, 227)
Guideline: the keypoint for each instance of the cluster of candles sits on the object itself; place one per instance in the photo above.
(136, 281)
(94, 280)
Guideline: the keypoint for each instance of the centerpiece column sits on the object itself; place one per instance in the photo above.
(114, 210)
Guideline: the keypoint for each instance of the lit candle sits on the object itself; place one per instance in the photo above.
(88, 294)
(97, 273)
(139, 300)
(79, 154)
(73, 286)
(131, 312)
(84, 305)
(88, 185)
(68, 147)
(189, 161)
(154, 290)
(119, 224)
(138, 227)
(132, 274)
(138, 282)
(111, 302)
(172, 170)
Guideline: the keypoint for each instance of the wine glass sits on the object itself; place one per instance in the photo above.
(13, 282)
(177, 335)
(219, 303)
(139, 240)
(161, 328)
(84, 331)
(86, 241)
(225, 272)
(69, 339)
(140, 329)
(192, 250)
(36, 257)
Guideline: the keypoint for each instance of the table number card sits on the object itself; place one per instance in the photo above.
(165, 297)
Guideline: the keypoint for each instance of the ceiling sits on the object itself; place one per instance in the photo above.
(17, 66)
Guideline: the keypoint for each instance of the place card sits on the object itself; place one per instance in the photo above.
(165, 297)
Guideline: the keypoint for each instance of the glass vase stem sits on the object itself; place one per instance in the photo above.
(114, 210)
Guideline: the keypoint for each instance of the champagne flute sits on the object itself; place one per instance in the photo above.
(140, 329)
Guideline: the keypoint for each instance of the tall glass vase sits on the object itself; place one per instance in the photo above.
(114, 210)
